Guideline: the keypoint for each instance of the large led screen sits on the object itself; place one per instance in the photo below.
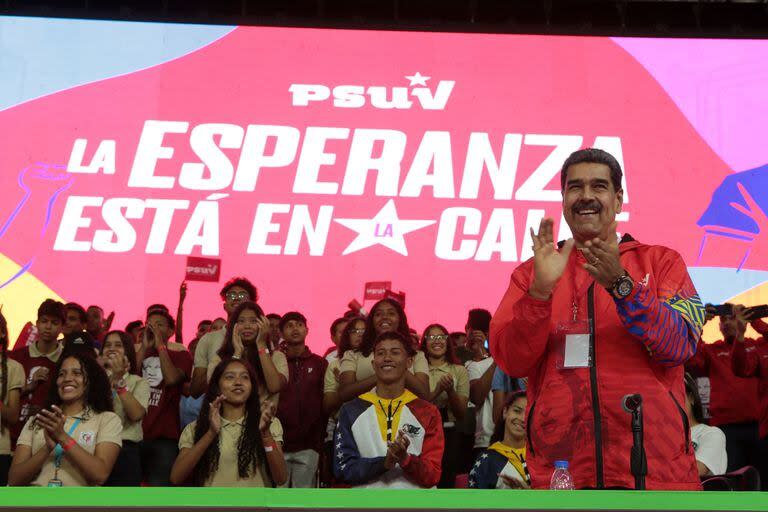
(313, 161)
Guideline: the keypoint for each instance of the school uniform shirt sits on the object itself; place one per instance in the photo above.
(162, 418)
(484, 416)
(139, 388)
(15, 381)
(331, 385)
(31, 359)
(709, 448)
(207, 349)
(497, 461)
(93, 429)
(354, 361)
(368, 422)
(281, 365)
(229, 436)
(460, 384)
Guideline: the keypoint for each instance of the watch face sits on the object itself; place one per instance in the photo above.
(625, 287)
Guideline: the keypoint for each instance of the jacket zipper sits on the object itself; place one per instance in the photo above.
(686, 424)
(598, 420)
(528, 425)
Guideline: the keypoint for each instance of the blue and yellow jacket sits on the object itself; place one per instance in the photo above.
(365, 426)
(497, 461)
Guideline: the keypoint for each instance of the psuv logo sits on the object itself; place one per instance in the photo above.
(417, 94)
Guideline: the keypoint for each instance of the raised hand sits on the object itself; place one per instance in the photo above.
(118, 366)
(263, 335)
(182, 291)
(106, 324)
(603, 259)
(446, 383)
(548, 262)
(267, 414)
(214, 415)
(237, 342)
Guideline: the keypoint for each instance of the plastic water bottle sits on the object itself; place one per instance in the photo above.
(561, 477)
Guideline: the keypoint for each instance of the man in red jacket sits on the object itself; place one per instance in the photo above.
(588, 327)
(733, 402)
(751, 360)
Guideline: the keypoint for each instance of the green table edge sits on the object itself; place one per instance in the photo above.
(377, 499)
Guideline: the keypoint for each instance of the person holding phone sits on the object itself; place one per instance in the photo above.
(733, 400)
(751, 360)
(76, 438)
(480, 369)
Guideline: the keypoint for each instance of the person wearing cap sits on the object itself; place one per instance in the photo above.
(166, 371)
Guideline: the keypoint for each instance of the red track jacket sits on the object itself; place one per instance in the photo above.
(638, 345)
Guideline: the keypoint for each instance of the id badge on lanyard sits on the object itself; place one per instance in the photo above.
(573, 335)
(58, 454)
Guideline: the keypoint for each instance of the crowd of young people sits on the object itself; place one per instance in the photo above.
(247, 403)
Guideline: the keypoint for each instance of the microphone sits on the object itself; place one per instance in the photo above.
(631, 403)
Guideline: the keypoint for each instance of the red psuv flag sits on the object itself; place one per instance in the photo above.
(203, 269)
(376, 290)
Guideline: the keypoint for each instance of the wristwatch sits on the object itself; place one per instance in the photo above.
(622, 287)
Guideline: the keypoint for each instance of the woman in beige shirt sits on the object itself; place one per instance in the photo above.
(76, 438)
(449, 391)
(236, 440)
(130, 394)
(356, 367)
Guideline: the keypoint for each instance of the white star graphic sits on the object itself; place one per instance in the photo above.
(418, 79)
(385, 228)
(484, 456)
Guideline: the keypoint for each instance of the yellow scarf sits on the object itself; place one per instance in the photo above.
(515, 456)
(388, 412)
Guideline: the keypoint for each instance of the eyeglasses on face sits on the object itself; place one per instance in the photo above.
(356, 331)
(237, 295)
(437, 337)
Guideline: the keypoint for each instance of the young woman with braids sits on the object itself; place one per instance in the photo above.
(11, 383)
(356, 367)
(76, 438)
(236, 440)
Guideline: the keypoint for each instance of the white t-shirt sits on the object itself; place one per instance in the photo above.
(484, 416)
(709, 447)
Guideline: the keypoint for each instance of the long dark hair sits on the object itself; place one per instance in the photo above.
(251, 353)
(366, 347)
(450, 353)
(98, 390)
(130, 351)
(498, 431)
(250, 448)
(345, 342)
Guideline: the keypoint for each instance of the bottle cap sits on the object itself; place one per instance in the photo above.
(561, 464)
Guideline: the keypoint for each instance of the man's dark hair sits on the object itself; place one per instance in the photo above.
(291, 315)
(53, 309)
(692, 390)
(395, 335)
(74, 306)
(78, 342)
(243, 283)
(157, 307)
(165, 314)
(479, 320)
(94, 306)
(273, 316)
(592, 156)
(132, 325)
(204, 322)
(336, 323)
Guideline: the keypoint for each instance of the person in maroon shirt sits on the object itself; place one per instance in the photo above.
(733, 402)
(751, 360)
(301, 403)
(39, 361)
(166, 371)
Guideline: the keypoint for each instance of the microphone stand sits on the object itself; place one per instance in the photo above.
(637, 460)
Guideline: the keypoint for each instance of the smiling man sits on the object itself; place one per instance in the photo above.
(588, 326)
(389, 437)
